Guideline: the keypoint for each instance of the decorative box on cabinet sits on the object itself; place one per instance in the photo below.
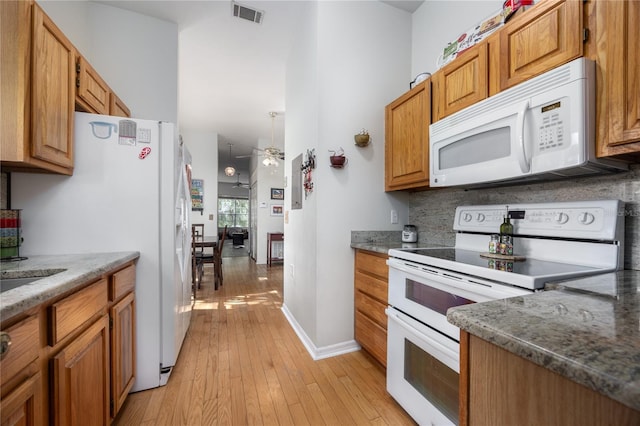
(407, 122)
(38, 91)
(371, 287)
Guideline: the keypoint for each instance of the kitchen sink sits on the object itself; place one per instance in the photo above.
(25, 277)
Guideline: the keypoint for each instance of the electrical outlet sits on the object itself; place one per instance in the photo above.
(210, 217)
(394, 216)
(292, 270)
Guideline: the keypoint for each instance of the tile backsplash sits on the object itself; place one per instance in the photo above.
(432, 211)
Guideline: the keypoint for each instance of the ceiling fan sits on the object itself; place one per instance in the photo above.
(271, 154)
(238, 184)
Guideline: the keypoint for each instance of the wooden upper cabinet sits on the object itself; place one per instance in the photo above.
(461, 83)
(615, 46)
(52, 97)
(92, 91)
(407, 122)
(117, 107)
(37, 102)
(544, 37)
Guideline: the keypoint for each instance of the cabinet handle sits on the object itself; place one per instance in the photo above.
(5, 344)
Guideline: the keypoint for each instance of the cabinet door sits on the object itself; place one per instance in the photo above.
(462, 82)
(23, 405)
(117, 107)
(547, 35)
(407, 122)
(80, 379)
(372, 337)
(123, 353)
(93, 93)
(620, 67)
(52, 92)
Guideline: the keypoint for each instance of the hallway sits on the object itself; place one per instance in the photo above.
(242, 364)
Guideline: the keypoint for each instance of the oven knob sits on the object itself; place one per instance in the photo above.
(562, 218)
(586, 218)
(467, 217)
(480, 217)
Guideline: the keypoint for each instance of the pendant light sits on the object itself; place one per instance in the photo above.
(229, 170)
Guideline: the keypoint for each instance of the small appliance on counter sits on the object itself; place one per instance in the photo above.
(409, 234)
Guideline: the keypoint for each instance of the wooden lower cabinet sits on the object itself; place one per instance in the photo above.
(123, 354)
(501, 388)
(23, 405)
(371, 287)
(72, 359)
(80, 379)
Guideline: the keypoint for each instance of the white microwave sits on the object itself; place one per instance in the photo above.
(541, 129)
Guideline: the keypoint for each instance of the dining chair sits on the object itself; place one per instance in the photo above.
(203, 254)
(217, 260)
(197, 266)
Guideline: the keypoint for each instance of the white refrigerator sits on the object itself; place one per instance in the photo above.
(129, 192)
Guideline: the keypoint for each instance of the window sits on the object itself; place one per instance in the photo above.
(233, 212)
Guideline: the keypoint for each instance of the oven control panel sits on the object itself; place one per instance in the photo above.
(603, 219)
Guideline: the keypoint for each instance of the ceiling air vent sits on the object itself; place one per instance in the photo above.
(247, 13)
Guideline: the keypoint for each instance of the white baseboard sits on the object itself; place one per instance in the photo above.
(316, 352)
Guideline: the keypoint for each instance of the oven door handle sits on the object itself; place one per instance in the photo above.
(403, 267)
(408, 327)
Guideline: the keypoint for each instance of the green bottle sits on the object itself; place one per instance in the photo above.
(506, 235)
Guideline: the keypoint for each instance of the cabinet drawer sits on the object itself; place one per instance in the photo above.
(372, 338)
(122, 282)
(372, 263)
(73, 311)
(373, 287)
(24, 347)
(371, 308)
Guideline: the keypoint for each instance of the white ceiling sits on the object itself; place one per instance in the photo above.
(232, 71)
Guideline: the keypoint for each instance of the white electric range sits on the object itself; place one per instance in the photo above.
(557, 240)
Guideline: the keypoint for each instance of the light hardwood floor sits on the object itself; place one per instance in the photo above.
(242, 364)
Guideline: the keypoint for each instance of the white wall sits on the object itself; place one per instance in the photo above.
(137, 55)
(203, 146)
(437, 23)
(351, 60)
(265, 179)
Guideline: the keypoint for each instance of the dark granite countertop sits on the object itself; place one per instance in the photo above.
(585, 329)
(77, 270)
